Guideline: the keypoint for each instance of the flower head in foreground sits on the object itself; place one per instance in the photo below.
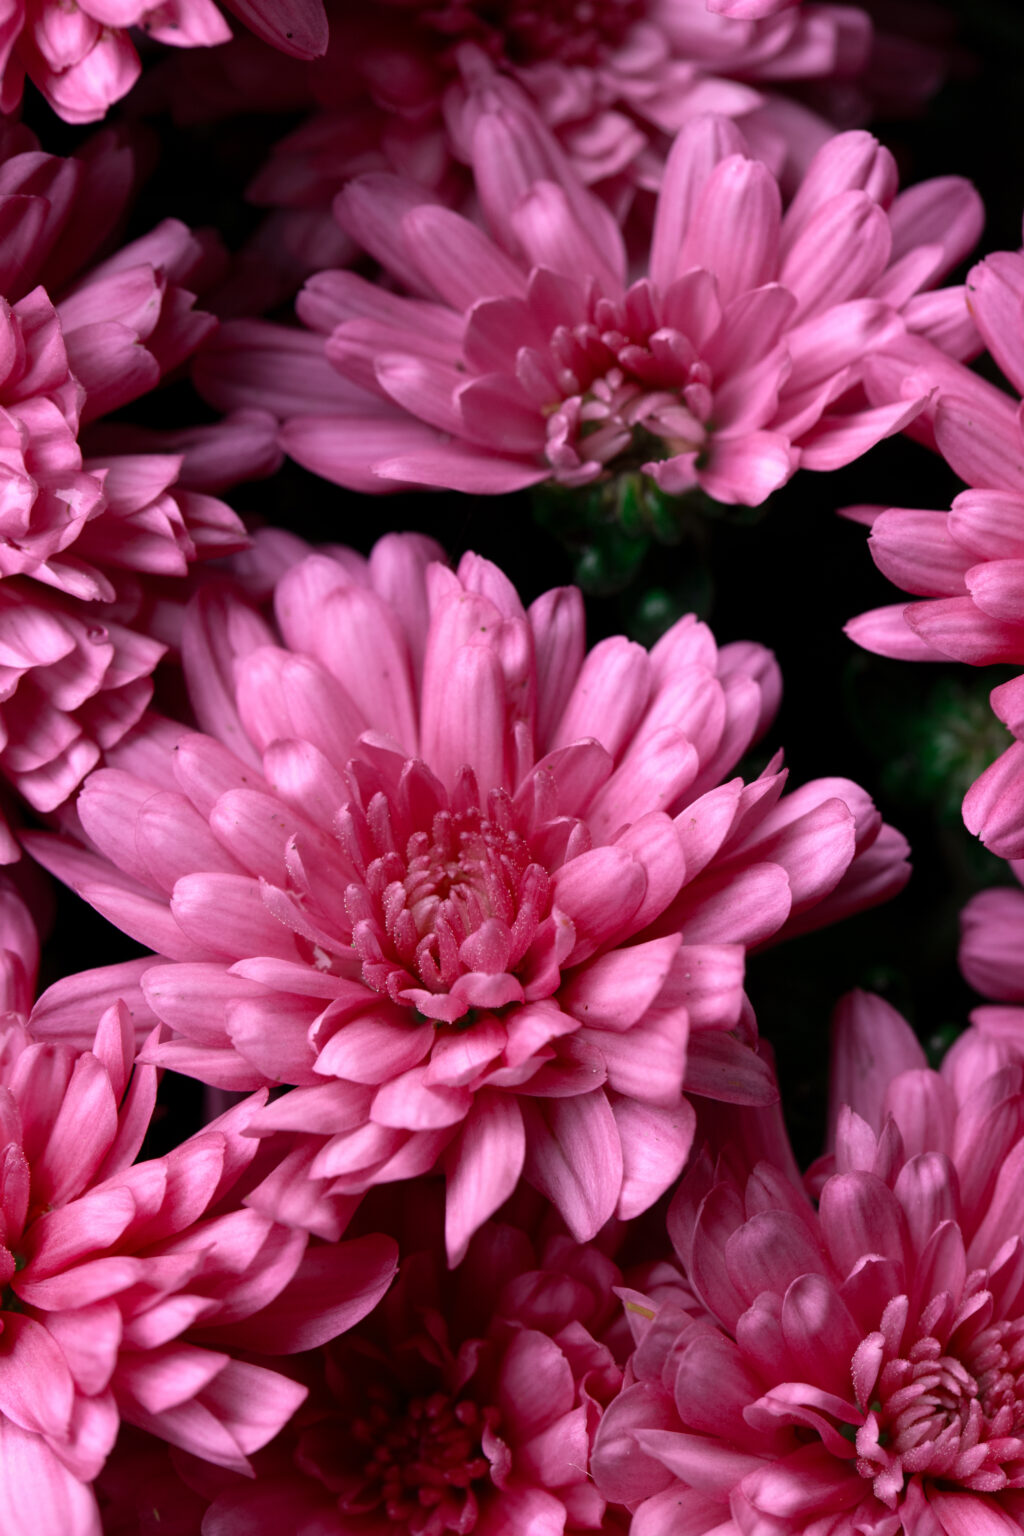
(465, 1403)
(125, 1291)
(858, 1367)
(528, 355)
(81, 56)
(475, 893)
(968, 563)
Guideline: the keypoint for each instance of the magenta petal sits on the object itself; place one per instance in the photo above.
(701, 1462)
(622, 1470)
(871, 1045)
(457, 466)
(227, 913)
(536, 1384)
(807, 1481)
(994, 804)
(885, 631)
(36, 1390)
(615, 990)
(969, 1514)
(332, 1289)
(409, 1102)
(574, 1157)
(373, 1050)
(718, 1066)
(655, 1145)
(484, 1165)
(296, 27)
(37, 1492)
(598, 892)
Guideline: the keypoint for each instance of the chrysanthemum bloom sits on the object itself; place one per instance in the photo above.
(529, 357)
(857, 1368)
(83, 534)
(473, 892)
(966, 563)
(466, 1403)
(127, 1289)
(81, 56)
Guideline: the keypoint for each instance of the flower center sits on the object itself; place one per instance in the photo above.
(423, 1461)
(453, 904)
(622, 373)
(958, 1416)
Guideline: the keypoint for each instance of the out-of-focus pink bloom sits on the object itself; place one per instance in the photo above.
(140, 1494)
(991, 951)
(967, 564)
(128, 1289)
(81, 56)
(479, 895)
(857, 1366)
(615, 84)
(527, 355)
(84, 535)
(467, 1402)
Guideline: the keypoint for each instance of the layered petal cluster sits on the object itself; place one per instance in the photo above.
(82, 58)
(475, 893)
(858, 1367)
(966, 564)
(467, 1402)
(82, 534)
(526, 354)
(127, 1289)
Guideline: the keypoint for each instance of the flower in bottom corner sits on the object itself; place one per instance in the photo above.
(127, 1290)
(858, 1369)
(465, 1403)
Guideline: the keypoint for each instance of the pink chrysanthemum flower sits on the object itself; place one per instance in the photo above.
(126, 1290)
(466, 1403)
(475, 893)
(81, 56)
(84, 534)
(858, 1365)
(529, 355)
(967, 563)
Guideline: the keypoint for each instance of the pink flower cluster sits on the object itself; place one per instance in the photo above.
(341, 1209)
